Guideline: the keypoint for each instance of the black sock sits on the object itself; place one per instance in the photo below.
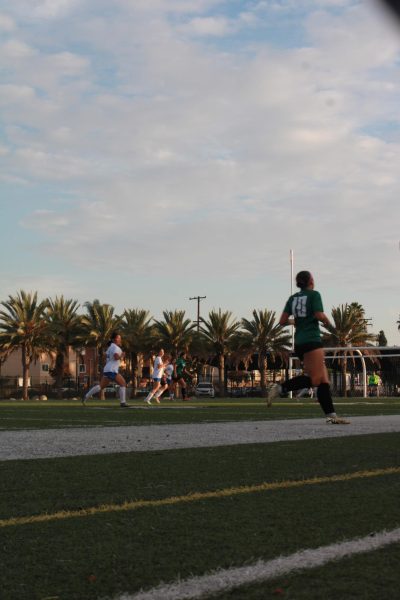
(325, 398)
(296, 383)
(183, 389)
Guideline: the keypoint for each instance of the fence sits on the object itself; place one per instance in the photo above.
(349, 370)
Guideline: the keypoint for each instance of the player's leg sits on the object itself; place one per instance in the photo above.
(171, 389)
(122, 390)
(290, 385)
(182, 385)
(161, 390)
(156, 386)
(96, 389)
(314, 364)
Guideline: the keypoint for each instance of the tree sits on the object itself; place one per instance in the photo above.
(349, 328)
(64, 331)
(219, 331)
(175, 332)
(23, 327)
(137, 336)
(97, 325)
(264, 337)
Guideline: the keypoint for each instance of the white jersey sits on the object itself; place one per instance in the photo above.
(158, 368)
(169, 370)
(112, 365)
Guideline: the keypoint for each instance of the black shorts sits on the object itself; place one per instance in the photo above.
(301, 349)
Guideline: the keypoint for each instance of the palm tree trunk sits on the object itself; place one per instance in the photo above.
(100, 355)
(135, 369)
(343, 368)
(25, 373)
(60, 373)
(263, 373)
(221, 375)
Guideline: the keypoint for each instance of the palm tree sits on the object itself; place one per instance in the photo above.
(98, 324)
(23, 326)
(349, 328)
(64, 331)
(174, 333)
(138, 335)
(219, 332)
(264, 337)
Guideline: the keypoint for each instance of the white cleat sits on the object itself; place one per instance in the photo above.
(274, 391)
(337, 421)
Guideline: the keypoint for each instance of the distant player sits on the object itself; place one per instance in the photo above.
(180, 373)
(111, 374)
(169, 374)
(306, 308)
(166, 382)
(158, 371)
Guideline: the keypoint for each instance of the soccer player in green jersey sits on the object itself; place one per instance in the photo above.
(180, 370)
(305, 311)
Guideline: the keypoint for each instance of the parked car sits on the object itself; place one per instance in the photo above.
(205, 389)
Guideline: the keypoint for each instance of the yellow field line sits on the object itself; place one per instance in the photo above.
(195, 497)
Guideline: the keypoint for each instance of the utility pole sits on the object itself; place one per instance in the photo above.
(198, 298)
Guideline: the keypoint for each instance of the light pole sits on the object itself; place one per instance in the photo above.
(198, 298)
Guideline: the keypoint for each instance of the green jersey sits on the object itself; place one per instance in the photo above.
(180, 366)
(303, 307)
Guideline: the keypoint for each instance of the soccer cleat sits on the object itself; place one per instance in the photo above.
(124, 405)
(156, 399)
(83, 399)
(146, 401)
(273, 391)
(337, 421)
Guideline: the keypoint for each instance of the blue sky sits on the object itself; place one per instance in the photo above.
(154, 150)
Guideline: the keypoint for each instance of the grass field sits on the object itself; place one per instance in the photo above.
(68, 413)
(188, 512)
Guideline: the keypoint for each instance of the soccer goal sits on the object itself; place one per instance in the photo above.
(364, 371)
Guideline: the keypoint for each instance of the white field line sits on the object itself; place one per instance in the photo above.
(51, 443)
(228, 579)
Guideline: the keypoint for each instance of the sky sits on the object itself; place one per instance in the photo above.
(156, 150)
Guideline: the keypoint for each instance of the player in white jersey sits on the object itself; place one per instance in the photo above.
(158, 371)
(111, 374)
(167, 381)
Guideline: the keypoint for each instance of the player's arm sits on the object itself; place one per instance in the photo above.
(286, 319)
(321, 316)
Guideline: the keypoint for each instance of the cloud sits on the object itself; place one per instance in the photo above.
(45, 219)
(7, 24)
(43, 9)
(208, 26)
(216, 154)
(15, 49)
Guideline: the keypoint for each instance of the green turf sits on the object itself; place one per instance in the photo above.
(98, 556)
(58, 414)
(366, 577)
